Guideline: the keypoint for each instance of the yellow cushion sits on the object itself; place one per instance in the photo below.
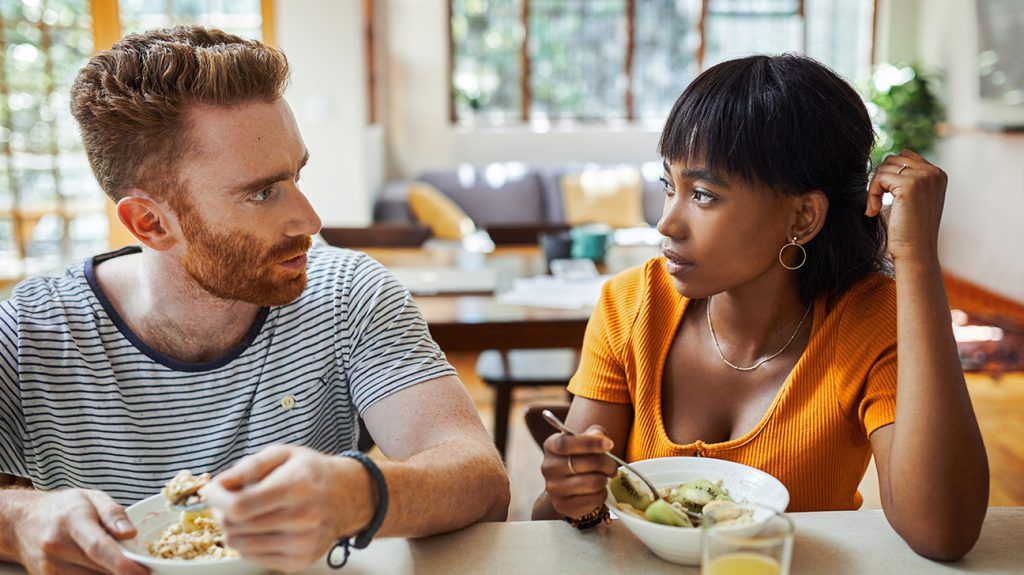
(438, 212)
(607, 196)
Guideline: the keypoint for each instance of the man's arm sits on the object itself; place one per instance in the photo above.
(286, 506)
(443, 471)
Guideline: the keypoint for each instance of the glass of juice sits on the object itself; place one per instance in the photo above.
(745, 539)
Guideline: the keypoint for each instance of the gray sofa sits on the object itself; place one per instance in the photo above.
(506, 194)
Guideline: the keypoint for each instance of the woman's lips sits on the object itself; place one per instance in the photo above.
(675, 265)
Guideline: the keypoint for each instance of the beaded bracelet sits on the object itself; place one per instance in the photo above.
(592, 519)
(363, 539)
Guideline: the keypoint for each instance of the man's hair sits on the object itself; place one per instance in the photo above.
(794, 125)
(132, 101)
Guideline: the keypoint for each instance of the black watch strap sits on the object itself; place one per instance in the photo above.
(363, 539)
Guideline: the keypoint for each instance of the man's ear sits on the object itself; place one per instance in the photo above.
(151, 222)
(809, 214)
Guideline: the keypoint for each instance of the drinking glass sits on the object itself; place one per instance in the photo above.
(760, 545)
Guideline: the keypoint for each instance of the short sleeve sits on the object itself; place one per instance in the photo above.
(12, 417)
(384, 344)
(878, 404)
(602, 374)
(865, 354)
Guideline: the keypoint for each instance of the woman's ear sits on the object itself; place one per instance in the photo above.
(149, 221)
(809, 212)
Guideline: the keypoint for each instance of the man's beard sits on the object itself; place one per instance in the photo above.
(237, 266)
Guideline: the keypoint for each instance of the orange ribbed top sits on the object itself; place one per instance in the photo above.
(813, 438)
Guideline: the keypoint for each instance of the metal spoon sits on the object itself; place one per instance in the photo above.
(557, 424)
(197, 506)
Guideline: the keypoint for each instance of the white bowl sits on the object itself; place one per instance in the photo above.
(150, 517)
(682, 544)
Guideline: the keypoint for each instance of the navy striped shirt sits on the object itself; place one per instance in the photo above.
(84, 402)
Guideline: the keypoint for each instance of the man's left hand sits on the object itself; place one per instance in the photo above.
(286, 506)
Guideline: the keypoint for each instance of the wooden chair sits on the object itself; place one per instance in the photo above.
(539, 427)
(507, 370)
(377, 236)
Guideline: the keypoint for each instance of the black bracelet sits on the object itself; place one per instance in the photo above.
(363, 539)
(592, 519)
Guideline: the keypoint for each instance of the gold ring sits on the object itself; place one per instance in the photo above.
(903, 167)
(571, 470)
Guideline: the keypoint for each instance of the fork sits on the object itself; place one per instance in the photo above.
(557, 424)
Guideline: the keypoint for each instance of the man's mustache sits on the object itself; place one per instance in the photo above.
(289, 249)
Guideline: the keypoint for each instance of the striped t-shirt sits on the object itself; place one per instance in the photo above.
(84, 402)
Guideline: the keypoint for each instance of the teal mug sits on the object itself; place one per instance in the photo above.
(590, 242)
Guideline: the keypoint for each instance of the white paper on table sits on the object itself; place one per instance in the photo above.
(552, 292)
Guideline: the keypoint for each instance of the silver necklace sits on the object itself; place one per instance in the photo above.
(763, 361)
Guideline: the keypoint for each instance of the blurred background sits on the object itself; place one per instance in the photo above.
(468, 144)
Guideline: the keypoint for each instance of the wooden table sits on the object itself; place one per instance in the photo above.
(834, 543)
(479, 322)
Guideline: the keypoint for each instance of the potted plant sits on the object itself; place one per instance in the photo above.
(904, 109)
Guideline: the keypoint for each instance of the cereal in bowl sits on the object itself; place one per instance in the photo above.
(197, 535)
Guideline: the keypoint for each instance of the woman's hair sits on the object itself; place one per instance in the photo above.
(794, 125)
(131, 101)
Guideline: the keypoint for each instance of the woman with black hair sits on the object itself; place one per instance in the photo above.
(767, 333)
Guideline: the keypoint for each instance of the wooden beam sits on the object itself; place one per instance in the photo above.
(630, 47)
(452, 111)
(106, 30)
(874, 33)
(701, 30)
(106, 24)
(268, 25)
(371, 61)
(524, 62)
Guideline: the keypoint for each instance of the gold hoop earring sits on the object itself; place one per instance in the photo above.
(802, 251)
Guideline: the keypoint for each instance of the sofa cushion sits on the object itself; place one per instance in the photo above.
(609, 196)
(438, 212)
(496, 194)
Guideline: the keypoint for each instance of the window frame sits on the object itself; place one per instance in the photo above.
(629, 47)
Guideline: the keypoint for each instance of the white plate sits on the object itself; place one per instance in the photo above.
(150, 517)
(682, 544)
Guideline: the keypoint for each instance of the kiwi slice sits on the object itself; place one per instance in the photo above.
(665, 513)
(625, 489)
(694, 495)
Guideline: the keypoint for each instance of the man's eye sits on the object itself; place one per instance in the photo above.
(261, 196)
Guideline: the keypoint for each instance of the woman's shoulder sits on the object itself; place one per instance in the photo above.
(632, 286)
(869, 306)
(627, 292)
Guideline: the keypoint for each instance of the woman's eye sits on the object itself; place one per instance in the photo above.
(261, 196)
(667, 186)
(702, 197)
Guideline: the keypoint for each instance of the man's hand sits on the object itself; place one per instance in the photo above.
(72, 532)
(286, 506)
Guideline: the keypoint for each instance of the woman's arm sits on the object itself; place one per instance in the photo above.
(932, 468)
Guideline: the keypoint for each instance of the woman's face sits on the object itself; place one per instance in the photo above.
(721, 232)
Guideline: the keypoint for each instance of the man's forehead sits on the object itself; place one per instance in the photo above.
(243, 141)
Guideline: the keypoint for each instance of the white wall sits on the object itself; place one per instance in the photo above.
(324, 44)
(420, 135)
(981, 237)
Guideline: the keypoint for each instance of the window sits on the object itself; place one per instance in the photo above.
(51, 209)
(239, 17)
(592, 61)
(50, 205)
